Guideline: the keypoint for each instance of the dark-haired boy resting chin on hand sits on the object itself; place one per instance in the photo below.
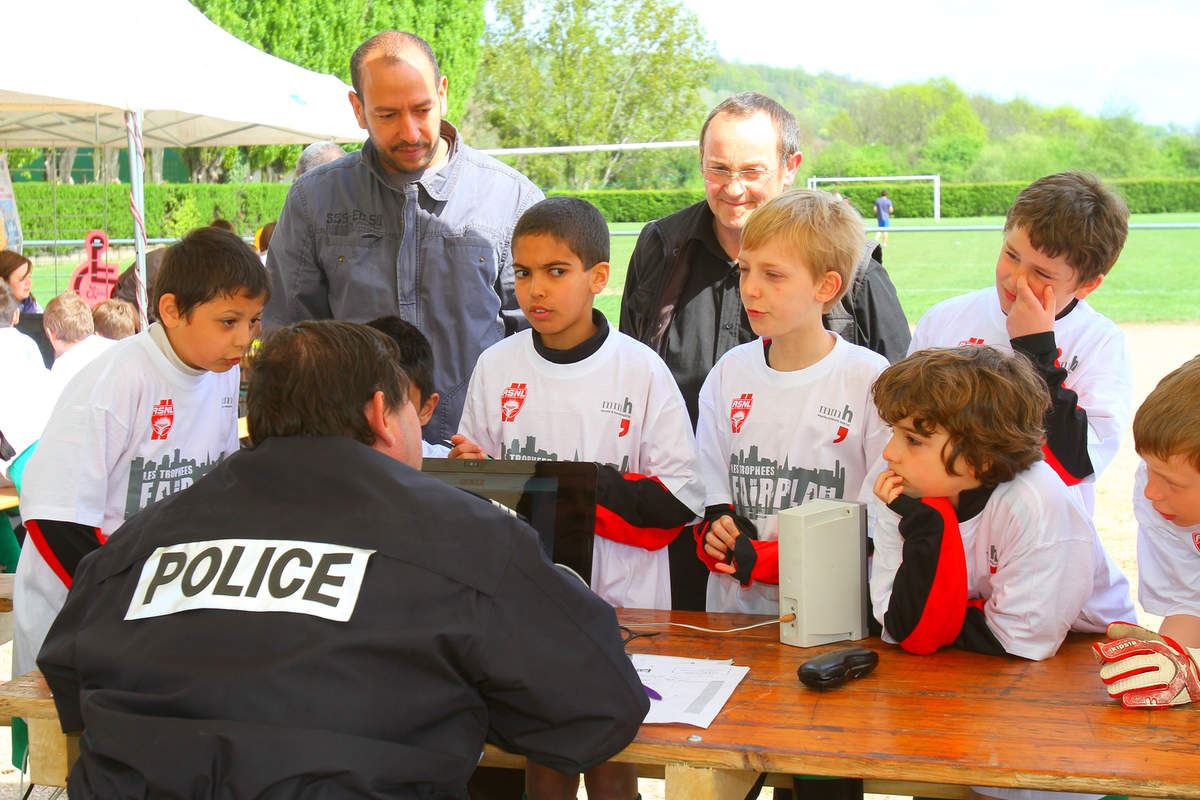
(979, 544)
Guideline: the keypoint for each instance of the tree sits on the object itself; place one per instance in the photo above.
(321, 34)
(562, 72)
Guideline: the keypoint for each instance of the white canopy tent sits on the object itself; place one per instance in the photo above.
(153, 73)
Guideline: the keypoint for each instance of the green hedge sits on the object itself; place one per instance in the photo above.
(915, 199)
(1160, 195)
(637, 205)
(174, 209)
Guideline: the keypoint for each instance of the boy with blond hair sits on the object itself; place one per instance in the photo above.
(788, 417)
(149, 417)
(115, 318)
(573, 388)
(1142, 668)
(1061, 237)
(69, 327)
(980, 544)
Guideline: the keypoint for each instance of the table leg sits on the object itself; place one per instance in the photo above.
(51, 752)
(698, 783)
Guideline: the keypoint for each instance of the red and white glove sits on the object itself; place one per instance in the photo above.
(1145, 669)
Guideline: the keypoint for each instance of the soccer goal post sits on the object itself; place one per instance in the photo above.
(937, 185)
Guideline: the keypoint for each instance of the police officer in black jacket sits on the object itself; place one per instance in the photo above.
(316, 618)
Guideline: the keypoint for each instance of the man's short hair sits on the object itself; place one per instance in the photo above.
(206, 263)
(826, 235)
(991, 405)
(416, 355)
(1073, 214)
(115, 318)
(69, 318)
(1168, 422)
(575, 222)
(747, 104)
(8, 304)
(223, 224)
(315, 378)
(316, 154)
(392, 43)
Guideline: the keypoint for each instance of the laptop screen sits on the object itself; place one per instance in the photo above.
(558, 498)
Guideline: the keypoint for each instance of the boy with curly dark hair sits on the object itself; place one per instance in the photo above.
(981, 545)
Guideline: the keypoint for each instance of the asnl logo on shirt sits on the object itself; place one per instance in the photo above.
(511, 400)
(314, 578)
(162, 417)
(739, 409)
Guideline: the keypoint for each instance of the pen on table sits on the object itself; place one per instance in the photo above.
(653, 694)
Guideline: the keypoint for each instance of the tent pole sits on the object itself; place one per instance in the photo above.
(137, 205)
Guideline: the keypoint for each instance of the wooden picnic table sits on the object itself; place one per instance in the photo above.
(952, 719)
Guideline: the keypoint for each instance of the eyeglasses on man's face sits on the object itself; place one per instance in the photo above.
(722, 176)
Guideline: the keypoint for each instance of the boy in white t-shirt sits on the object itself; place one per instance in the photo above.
(1142, 668)
(72, 334)
(788, 417)
(147, 418)
(980, 544)
(575, 389)
(1062, 235)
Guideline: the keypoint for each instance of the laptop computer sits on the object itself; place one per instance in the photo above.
(558, 498)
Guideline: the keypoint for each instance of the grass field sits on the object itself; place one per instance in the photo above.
(1157, 278)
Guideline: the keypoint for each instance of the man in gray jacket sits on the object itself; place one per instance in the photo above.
(415, 224)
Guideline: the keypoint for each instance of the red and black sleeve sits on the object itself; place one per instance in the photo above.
(63, 544)
(753, 558)
(637, 509)
(929, 593)
(1066, 447)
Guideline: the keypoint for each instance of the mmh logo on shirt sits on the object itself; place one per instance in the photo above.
(623, 409)
(842, 417)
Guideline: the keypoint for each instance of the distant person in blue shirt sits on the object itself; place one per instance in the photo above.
(883, 215)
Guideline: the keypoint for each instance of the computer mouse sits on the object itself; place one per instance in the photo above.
(836, 667)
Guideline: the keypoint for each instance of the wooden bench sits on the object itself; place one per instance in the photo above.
(51, 752)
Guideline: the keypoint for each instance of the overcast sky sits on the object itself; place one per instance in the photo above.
(1139, 54)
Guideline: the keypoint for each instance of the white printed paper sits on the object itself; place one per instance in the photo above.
(693, 690)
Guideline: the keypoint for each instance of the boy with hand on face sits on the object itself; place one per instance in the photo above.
(572, 388)
(1061, 237)
(1142, 668)
(788, 417)
(147, 418)
(980, 544)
